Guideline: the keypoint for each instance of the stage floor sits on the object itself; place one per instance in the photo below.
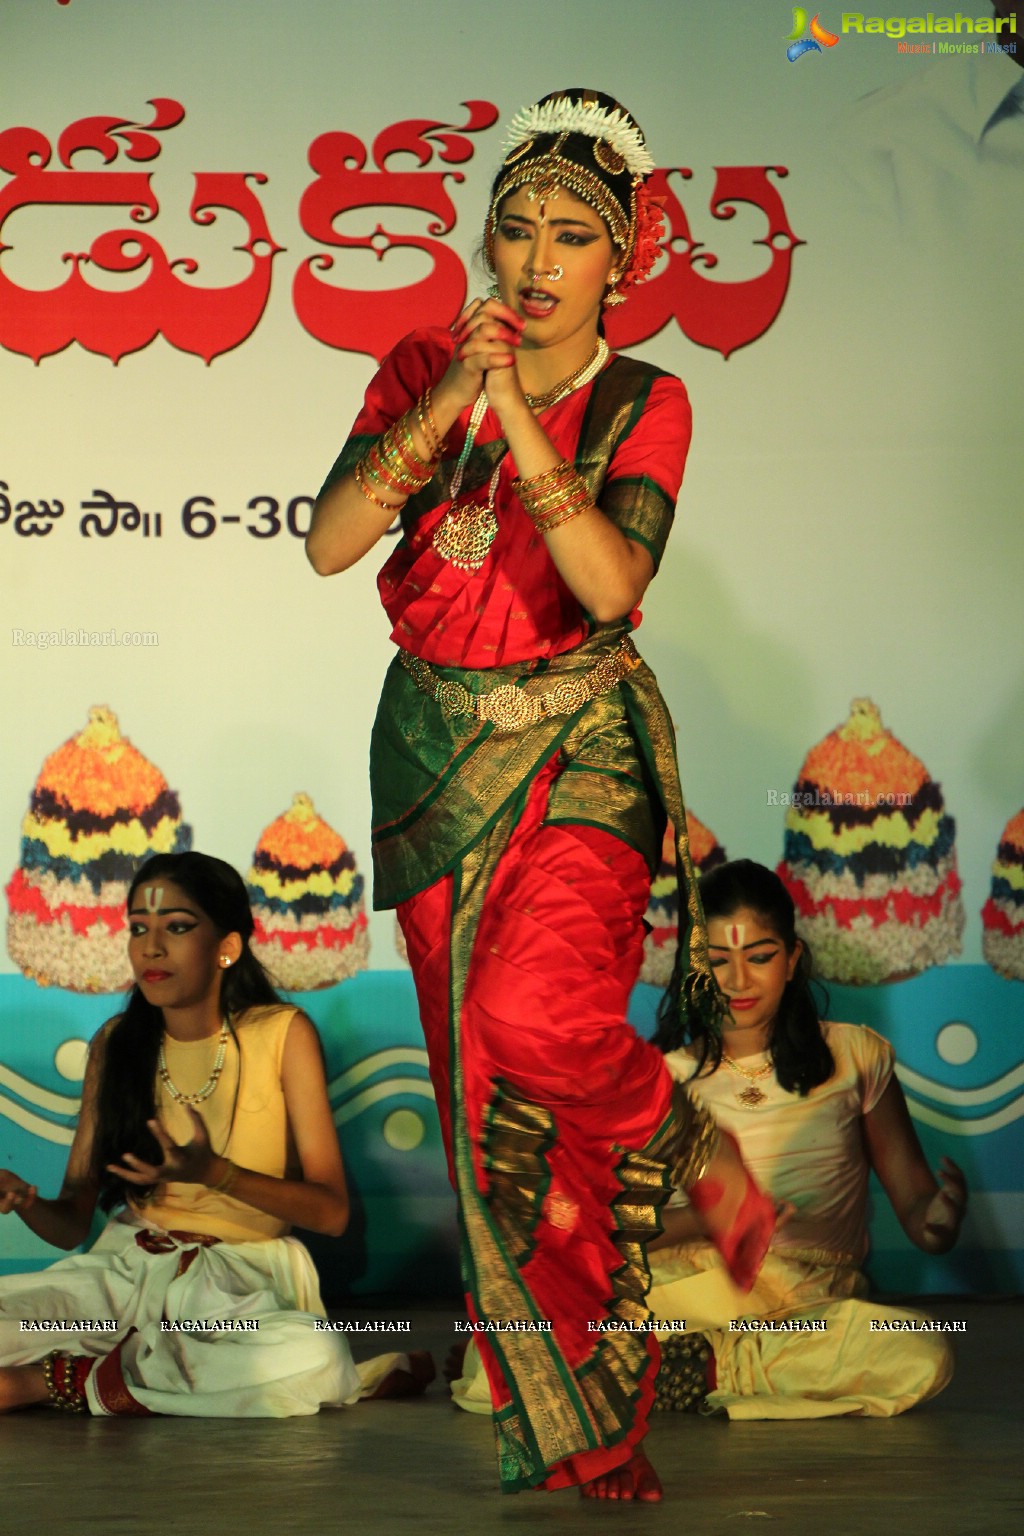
(951, 1468)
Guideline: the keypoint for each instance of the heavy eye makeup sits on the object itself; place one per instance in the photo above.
(509, 229)
(762, 957)
(178, 926)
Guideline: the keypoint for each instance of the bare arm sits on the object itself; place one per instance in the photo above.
(682, 1224)
(65, 1220)
(317, 1201)
(930, 1210)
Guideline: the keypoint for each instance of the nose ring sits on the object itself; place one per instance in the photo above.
(554, 276)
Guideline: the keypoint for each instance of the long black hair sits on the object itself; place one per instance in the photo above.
(127, 1088)
(797, 1047)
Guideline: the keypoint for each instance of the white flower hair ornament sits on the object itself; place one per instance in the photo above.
(566, 116)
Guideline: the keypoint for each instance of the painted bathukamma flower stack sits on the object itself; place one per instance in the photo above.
(99, 809)
(1002, 916)
(870, 857)
(307, 902)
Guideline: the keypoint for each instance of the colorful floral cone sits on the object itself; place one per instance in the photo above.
(98, 811)
(1002, 916)
(870, 857)
(307, 902)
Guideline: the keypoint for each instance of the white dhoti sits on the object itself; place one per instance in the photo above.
(844, 1355)
(147, 1295)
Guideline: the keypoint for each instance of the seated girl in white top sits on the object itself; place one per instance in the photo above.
(815, 1106)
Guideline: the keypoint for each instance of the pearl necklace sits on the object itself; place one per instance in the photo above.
(576, 380)
(466, 532)
(751, 1096)
(209, 1086)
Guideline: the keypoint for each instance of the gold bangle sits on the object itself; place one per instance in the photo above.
(408, 451)
(374, 465)
(227, 1183)
(556, 519)
(360, 477)
(428, 426)
(553, 497)
(405, 474)
(545, 479)
(555, 500)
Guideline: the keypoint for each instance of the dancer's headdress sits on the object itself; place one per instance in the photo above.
(587, 142)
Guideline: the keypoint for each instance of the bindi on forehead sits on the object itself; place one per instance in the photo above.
(735, 934)
(152, 896)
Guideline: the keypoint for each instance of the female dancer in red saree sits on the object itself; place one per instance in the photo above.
(522, 765)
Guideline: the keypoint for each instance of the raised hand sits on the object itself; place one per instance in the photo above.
(189, 1163)
(487, 335)
(946, 1211)
(15, 1194)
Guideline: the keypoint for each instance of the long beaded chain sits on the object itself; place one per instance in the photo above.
(466, 532)
(751, 1096)
(209, 1086)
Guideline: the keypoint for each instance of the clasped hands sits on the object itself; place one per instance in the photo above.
(487, 335)
(188, 1163)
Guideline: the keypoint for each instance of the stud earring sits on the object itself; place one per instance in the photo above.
(224, 962)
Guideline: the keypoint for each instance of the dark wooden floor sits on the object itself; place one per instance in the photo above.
(952, 1467)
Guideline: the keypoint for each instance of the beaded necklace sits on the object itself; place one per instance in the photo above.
(752, 1095)
(209, 1087)
(468, 529)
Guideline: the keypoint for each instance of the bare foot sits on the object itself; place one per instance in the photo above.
(454, 1361)
(21, 1386)
(637, 1479)
(407, 1383)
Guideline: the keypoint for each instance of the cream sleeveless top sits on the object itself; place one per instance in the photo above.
(246, 1119)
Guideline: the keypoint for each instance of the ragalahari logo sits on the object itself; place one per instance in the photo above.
(819, 38)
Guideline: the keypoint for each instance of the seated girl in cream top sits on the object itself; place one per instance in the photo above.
(815, 1107)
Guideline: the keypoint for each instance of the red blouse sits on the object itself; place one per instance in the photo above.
(516, 607)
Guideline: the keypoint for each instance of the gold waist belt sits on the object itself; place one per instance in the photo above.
(509, 707)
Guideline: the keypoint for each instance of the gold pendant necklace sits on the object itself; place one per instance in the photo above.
(465, 534)
(209, 1086)
(752, 1095)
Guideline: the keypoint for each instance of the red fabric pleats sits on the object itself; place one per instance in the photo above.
(562, 1099)
(112, 1393)
(557, 952)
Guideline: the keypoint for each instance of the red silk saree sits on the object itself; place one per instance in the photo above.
(520, 862)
